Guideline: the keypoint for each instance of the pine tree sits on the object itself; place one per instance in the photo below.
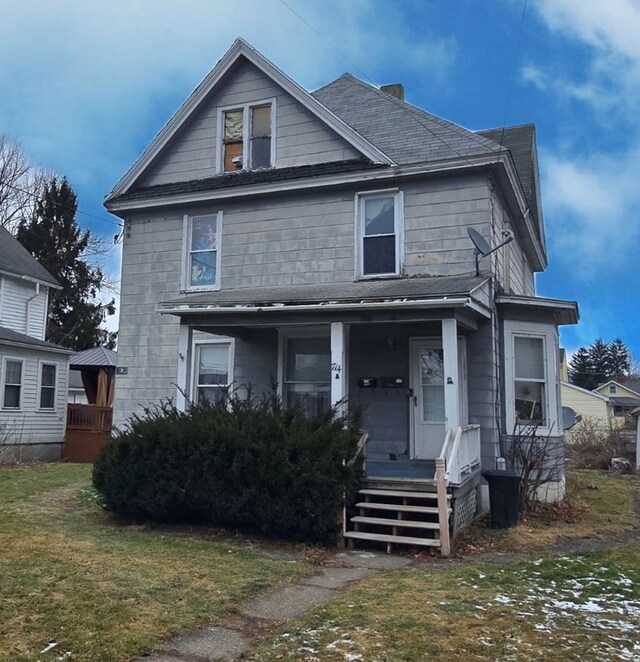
(600, 356)
(53, 237)
(581, 369)
(619, 359)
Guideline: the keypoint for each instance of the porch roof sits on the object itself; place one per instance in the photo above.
(445, 291)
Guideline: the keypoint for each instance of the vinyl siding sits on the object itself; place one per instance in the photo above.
(30, 425)
(301, 138)
(589, 406)
(14, 297)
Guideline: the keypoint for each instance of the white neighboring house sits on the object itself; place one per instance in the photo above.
(591, 405)
(34, 374)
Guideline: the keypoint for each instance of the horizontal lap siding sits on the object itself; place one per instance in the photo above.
(29, 425)
(301, 138)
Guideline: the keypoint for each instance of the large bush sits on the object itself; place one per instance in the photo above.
(240, 463)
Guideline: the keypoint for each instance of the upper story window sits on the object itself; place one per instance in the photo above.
(12, 384)
(48, 372)
(380, 220)
(201, 267)
(531, 379)
(612, 388)
(247, 137)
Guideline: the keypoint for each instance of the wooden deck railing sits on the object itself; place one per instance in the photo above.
(89, 417)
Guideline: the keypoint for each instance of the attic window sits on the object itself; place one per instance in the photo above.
(247, 137)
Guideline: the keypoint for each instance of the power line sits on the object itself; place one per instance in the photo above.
(62, 206)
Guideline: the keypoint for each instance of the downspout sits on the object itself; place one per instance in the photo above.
(29, 300)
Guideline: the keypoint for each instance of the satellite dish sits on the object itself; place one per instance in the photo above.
(569, 418)
(481, 244)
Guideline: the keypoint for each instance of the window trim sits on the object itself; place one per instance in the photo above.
(20, 360)
(548, 333)
(41, 363)
(360, 198)
(195, 354)
(187, 225)
(246, 109)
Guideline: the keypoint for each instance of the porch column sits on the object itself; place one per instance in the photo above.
(184, 359)
(451, 372)
(339, 372)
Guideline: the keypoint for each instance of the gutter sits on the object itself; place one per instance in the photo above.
(31, 279)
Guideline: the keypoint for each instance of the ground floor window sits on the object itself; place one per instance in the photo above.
(308, 374)
(12, 384)
(531, 376)
(48, 372)
(213, 372)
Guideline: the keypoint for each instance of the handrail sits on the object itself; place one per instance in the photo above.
(450, 453)
(445, 446)
(361, 449)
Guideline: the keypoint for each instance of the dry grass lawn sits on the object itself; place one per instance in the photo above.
(103, 591)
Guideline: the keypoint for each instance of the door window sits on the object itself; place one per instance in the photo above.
(432, 383)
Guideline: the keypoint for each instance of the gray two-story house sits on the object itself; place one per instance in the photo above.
(319, 242)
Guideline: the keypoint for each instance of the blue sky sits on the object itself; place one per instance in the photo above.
(86, 86)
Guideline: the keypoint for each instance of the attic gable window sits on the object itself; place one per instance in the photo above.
(247, 137)
(379, 220)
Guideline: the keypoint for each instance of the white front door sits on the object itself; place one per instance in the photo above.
(427, 404)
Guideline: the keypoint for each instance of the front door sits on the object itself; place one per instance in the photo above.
(427, 402)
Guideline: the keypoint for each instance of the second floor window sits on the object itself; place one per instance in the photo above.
(247, 137)
(379, 230)
(202, 251)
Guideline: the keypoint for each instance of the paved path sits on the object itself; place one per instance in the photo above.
(244, 631)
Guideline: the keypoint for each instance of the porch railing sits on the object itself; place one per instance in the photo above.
(89, 417)
(460, 452)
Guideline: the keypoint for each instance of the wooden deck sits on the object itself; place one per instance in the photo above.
(88, 430)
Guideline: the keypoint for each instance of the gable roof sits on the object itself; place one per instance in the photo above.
(628, 385)
(15, 260)
(239, 49)
(406, 133)
(521, 142)
(96, 356)
(593, 394)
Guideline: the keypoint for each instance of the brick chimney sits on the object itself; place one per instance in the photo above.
(395, 90)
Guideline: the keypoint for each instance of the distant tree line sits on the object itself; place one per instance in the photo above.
(591, 366)
(40, 208)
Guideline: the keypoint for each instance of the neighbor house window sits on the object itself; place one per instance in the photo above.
(213, 372)
(612, 389)
(48, 373)
(618, 411)
(531, 379)
(379, 233)
(308, 373)
(12, 386)
(247, 137)
(202, 251)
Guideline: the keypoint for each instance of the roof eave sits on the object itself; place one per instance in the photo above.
(563, 312)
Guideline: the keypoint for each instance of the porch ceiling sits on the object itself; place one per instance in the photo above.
(383, 295)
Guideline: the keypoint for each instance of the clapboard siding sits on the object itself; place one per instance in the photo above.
(301, 138)
(30, 425)
(16, 298)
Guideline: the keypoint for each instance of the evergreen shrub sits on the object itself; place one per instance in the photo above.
(241, 463)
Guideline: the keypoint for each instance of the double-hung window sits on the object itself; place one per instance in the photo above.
(308, 374)
(48, 372)
(531, 376)
(213, 371)
(379, 219)
(202, 251)
(247, 137)
(12, 384)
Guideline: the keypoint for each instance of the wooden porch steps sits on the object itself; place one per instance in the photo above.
(399, 516)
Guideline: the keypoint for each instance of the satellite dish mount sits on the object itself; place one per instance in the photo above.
(482, 245)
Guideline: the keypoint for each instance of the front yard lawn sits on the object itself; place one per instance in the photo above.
(104, 591)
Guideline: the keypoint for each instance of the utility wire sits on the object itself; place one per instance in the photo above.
(59, 204)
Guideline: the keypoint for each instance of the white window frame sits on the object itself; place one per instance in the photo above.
(398, 211)
(195, 353)
(42, 363)
(187, 225)
(548, 333)
(246, 118)
(20, 360)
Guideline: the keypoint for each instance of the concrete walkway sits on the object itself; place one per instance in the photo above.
(244, 630)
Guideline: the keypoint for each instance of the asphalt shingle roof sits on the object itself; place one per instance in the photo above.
(404, 132)
(369, 290)
(16, 259)
(10, 336)
(96, 356)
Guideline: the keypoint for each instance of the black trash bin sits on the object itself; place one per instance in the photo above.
(504, 498)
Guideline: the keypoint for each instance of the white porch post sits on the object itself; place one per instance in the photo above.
(451, 373)
(184, 359)
(339, 372)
